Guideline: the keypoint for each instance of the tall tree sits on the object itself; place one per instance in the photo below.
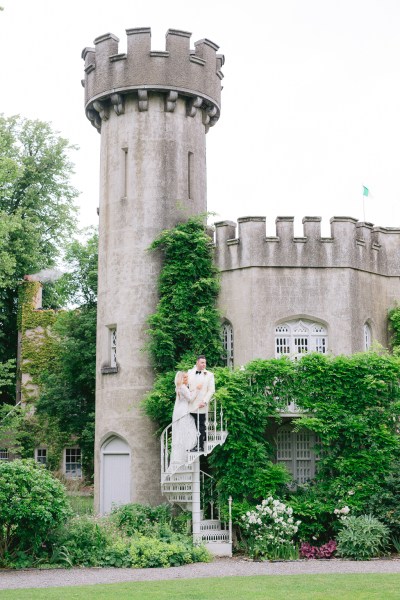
(38, 214)
(68, 384)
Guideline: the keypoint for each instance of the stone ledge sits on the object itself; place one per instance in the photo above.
(109, 370)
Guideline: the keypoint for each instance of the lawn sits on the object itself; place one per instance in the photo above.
(81, 505)
(274, 587)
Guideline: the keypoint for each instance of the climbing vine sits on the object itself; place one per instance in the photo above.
(186, 320)
(38, 344)
(394, 328)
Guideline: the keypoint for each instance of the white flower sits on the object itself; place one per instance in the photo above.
(345, 510)
(351, 492)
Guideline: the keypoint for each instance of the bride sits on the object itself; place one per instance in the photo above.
(184, 431)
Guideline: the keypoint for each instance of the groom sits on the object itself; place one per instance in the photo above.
(199, 406)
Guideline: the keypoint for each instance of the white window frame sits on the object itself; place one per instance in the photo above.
(227, 341)
(4, 454)
(39, 456)
(295, 338)
(76, 471)
(113, 346)
(367, 336)
(296, 451)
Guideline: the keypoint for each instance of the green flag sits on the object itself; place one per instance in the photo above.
(365, 191)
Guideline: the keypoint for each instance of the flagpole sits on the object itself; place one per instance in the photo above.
(365, 193)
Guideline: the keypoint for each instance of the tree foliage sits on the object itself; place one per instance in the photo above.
(67, 384)
(394, 328)
(37, 210)
(186, 320)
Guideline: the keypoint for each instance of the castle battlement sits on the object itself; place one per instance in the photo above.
(352, 244)
(176, 71)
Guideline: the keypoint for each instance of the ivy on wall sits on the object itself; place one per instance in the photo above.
(186, 319)
(38, 350)
(394, 328)
(351, 402)
(37, 340)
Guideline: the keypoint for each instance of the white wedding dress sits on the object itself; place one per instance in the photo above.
(184, 431)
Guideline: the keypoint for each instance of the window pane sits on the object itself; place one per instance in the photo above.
(227, 340)
(73, 466)
(300, 337)
(113, 347)
(4, 454)
(41, 455)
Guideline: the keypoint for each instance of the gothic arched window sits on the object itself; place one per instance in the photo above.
(227, 342)
(367, 336)
(295, 338)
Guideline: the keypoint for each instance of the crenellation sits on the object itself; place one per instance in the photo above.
(177, 42)
(312, 228)
(106, 45)
(176, 71)
(353, 244)
(224, 231)
(342, 227)
(284, 228)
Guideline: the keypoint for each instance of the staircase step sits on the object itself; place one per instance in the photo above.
(176, 487)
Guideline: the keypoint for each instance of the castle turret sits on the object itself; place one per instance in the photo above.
(153, 109)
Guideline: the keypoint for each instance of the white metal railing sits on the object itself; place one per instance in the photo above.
(215, 435)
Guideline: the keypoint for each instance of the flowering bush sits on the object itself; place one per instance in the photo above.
(342, 512)
(269, 530)
(324, 551)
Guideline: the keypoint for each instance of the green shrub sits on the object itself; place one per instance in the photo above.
(151, 552)
(133, 519)
(117, 555)
(86, 540)
(318, 521)
(32, 504)
(385, 505)
(133, 535)
(362, 538)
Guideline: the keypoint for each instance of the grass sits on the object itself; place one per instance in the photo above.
(265, 587)
(81, 505)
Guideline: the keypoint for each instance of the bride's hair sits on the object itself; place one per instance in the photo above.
(179, 378)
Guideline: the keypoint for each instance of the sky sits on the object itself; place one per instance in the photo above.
(310, 106)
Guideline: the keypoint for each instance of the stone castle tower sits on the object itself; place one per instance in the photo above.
(152, 109)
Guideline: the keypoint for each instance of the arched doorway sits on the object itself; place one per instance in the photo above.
(115, 477)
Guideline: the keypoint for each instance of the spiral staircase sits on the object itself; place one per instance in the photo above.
(185, 485)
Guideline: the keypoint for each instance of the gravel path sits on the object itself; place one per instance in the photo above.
(222, 567)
